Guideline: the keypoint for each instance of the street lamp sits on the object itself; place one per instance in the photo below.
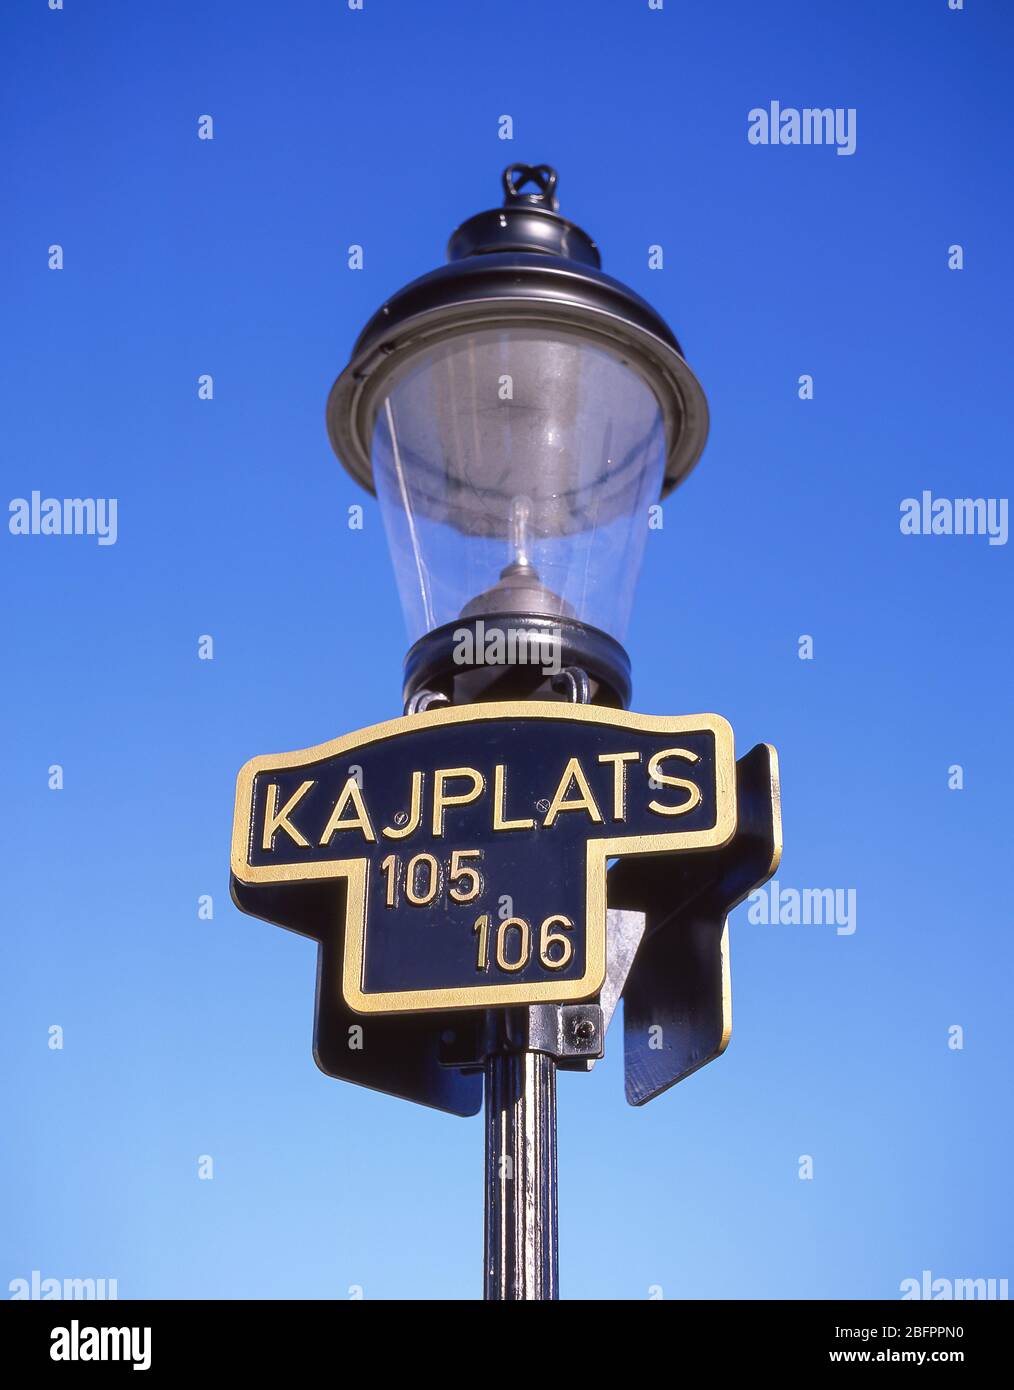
(487, 875)
(516, 412)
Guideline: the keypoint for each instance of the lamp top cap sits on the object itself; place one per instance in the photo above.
(545, 178)
(528, 221)
(519, 265)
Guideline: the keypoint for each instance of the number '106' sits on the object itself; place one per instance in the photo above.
(513, 945)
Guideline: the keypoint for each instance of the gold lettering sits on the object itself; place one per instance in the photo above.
(275, 820)
(667, 780)
(459, 869)
(433, 879)
(499, 823)
(619, 779)
(441, 799)
(573, 772)
(389, 868)
(350, 793)
(415, 815)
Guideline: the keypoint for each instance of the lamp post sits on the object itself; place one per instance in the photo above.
(516, 413)
(487, 875)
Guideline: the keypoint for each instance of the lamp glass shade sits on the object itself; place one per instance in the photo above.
(514, 467)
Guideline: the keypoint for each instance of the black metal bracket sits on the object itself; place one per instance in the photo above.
(572, 1034)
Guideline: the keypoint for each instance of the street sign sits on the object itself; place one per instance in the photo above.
(463, 851)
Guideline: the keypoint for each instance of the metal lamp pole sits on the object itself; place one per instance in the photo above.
(521, 1225)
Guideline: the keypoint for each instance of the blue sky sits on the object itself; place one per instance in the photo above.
(182, 257)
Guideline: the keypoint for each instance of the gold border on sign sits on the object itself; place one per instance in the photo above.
(599, 851)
